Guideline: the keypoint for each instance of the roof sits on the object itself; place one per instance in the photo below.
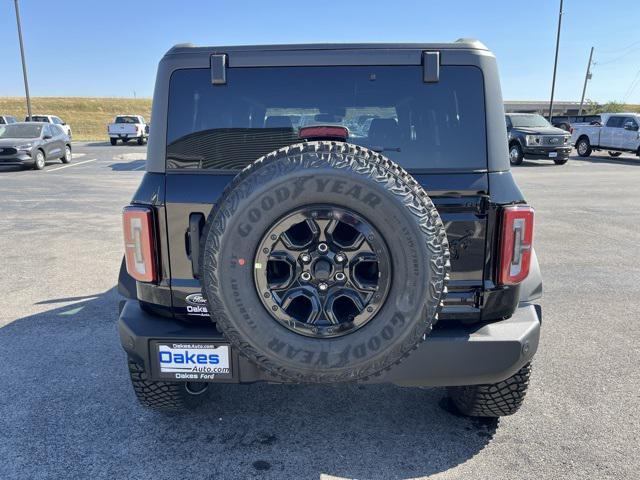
(460, 44)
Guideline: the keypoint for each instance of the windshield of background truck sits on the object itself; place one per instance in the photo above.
(535, 121)
(386, 108)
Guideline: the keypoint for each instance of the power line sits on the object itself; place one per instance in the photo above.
(616, 50)
(617, 58)
(634, 84)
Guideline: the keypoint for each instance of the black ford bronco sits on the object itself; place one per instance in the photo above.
(330, 214)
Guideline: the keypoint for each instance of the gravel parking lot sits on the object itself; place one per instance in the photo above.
(67, 409)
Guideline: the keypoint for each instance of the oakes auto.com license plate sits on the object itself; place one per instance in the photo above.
(195, 362)
(553, 154)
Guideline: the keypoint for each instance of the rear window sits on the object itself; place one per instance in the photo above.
(388, 109)
(126, 120)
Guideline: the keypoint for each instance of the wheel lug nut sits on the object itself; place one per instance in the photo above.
(323, 248)
(305, 257)
(340, 276)
(323, 287)
(340, 258)
(306, 276)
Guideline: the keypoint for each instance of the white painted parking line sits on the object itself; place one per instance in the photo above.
(78, 155)
(140, 167)
(71, 165)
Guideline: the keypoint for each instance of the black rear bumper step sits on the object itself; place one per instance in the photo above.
(450, 356)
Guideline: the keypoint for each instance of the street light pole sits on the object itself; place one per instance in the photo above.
(555, 63)
(586, 78)
(24, 63)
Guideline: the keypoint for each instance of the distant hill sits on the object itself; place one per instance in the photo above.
(88, 116)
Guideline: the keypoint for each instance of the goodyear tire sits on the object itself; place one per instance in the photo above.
(493, 400)
(347, 216)
(164, 395)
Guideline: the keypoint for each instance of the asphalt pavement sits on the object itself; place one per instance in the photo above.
(67, 409)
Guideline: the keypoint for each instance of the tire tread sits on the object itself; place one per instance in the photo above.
(493, 400)
(364, 162)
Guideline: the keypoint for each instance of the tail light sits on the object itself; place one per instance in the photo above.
(516, 242)
(139, 244)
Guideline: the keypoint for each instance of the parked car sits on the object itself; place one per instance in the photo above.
(565, 121)
(33, 144)
(532, 137)
(260, 251)
(128, 127)
(6, 119)
(618, 133)
(51, 119)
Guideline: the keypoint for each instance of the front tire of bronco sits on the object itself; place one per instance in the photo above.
(164, 395)
(492, 400)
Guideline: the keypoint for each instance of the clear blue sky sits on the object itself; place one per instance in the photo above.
(99, 48)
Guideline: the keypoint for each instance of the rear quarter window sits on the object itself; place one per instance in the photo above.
(421, 126)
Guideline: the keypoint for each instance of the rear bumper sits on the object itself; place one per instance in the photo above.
(449, 357)
(126, 135)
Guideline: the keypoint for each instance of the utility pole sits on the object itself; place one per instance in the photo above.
(555, 63)
(24, 63)
(586, 78)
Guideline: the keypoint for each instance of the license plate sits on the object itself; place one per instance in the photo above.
(553, 154)
(194, 362)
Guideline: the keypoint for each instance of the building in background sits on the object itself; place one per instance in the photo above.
(542, 107)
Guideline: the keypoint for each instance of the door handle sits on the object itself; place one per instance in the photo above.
(196, 224)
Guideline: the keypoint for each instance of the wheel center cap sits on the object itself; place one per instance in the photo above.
(322, 270)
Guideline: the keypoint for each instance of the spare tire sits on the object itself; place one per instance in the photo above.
(324, 262)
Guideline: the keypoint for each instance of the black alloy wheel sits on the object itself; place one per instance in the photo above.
(322, 271)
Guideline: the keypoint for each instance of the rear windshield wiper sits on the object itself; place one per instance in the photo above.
(385, 149)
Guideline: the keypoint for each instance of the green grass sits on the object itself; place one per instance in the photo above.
(88, 116)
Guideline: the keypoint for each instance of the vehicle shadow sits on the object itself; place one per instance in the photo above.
(96, 144)
(67, 410)
(536, 164)
(11, 168)
(128, 166)
(609, 160)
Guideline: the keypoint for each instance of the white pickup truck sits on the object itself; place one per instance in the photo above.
(618, 133)
(128, 127)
